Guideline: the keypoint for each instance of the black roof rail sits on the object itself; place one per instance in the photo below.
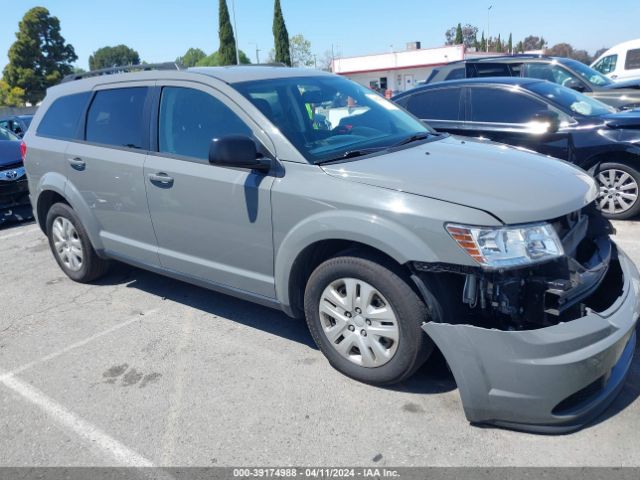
(505, 57)
(123, 69)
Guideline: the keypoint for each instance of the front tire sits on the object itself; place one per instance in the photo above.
(366, 319)
(71, 246)
(619, 197)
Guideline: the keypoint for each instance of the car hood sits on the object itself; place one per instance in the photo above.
(626, 119)
(9, 153)
(514, 185)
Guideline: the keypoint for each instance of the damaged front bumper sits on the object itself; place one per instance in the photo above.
(550, 380)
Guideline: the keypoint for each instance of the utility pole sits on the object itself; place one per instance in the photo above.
(257, 51)
(488, 25)
(235, 27)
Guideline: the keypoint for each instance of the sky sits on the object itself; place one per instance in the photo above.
(162, 30)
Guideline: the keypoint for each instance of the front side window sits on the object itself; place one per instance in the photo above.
(190, 119)
(587, 73)
(327, 117)
(503, 105)
(606, 64)
(116, 117)
(63, 117)
(633, 59)
(550, 72)
(440, 104)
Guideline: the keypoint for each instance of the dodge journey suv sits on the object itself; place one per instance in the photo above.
(306, 192)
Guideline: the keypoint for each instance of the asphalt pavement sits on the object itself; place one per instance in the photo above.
(141, 370)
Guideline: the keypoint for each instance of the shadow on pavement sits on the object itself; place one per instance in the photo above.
(433, 377)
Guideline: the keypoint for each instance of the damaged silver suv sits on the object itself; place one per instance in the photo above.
(306, 192)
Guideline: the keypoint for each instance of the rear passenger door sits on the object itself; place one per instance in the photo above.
(213, 223)
(106, 168)
(441, 108)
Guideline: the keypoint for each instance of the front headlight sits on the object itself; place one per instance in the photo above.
(508, 247)
(621, 135)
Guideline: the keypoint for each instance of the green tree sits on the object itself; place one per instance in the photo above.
(39, 57)
(510, 44)
(227, 49)
(519, 47)
(301, 55)
(214, 60)
(10, 96)
(117, 56)
(459, 40)
(281, 36)
(483, 42)
(191, 57)
(499, 47)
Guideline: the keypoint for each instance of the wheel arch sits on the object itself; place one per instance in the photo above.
(320, 237)
(629, 156)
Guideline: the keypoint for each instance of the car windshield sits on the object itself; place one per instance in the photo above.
(7, 135)
(589, 74)
(329, 117)
(570, 99)
(26, 120)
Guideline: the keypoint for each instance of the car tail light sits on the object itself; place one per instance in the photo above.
(23, 150)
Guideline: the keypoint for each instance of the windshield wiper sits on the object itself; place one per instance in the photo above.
(415, 138)
(353, 153)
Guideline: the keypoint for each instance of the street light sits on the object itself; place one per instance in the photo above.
(488, 25)
(257, 51)
(235, 27)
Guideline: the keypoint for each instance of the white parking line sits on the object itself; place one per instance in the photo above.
(80, 343)
(116, 450)
(22, 231)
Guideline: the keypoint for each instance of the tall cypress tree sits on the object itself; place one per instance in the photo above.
(510, 44)
(281, 36)
(459, 40)
(227, 50)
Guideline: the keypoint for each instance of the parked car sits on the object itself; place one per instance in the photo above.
(621, 62)
(546, 118)
(14, 193)
(563, 71)
(360, 223)
(17, 124)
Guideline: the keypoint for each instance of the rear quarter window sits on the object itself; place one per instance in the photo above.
(440, 104)
(63, 117)
(633, 59)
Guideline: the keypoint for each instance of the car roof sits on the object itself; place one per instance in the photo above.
(229, 74)
(519, 81)
(507, 59)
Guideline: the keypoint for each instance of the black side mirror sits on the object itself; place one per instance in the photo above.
(237, 151)
(576, 85)
(550, 118)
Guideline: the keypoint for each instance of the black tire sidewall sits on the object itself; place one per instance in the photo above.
(89, 255)
(413, 345)
(635, 209)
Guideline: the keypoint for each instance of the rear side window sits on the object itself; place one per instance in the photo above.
(456, 74)
(440, 104)
(492, 70)
(63, 117)
(503, 106)
(190, 119)
(606, 64)
(633, 59)
(116, 117)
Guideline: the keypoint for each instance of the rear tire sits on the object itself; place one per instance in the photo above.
(619, 197)
(71, 246)
(368, 303)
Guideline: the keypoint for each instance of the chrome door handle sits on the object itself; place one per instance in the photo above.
(77, 163)
(161, 178)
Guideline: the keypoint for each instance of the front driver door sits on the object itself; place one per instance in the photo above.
(506, 114)
(212, 223)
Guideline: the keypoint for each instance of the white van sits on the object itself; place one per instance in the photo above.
(621, 62)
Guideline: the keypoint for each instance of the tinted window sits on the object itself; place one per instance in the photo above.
(456, 74)
(503, 106)
(492, 70)
(633, 59)
(441, 104)
(190, 119)
(116, 118)
(64, 116)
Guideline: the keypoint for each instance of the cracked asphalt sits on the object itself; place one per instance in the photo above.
(144, 370)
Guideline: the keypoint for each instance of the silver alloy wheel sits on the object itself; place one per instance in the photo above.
(359, 322)
(618, 191)
(68, 246)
